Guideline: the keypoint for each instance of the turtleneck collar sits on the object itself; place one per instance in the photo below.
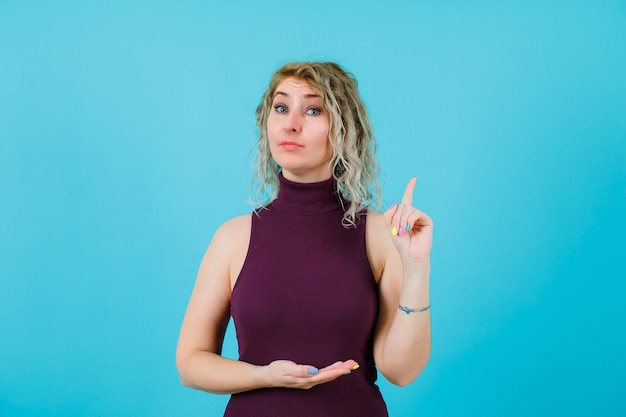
(307, 198)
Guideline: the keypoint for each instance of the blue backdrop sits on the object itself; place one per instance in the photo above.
(125, 133)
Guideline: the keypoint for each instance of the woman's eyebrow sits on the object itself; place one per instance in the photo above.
(282, 93)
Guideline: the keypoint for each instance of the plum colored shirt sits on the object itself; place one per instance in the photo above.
(306, 293)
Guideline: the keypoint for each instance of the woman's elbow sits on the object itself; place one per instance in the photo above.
(182, 366)
(405, 375)
(402, 381)
(184, 380)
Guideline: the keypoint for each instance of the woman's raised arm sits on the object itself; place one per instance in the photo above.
(399, 243)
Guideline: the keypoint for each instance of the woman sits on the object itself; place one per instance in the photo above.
(323, 291)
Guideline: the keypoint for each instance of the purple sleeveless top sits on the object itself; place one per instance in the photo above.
(306, 293)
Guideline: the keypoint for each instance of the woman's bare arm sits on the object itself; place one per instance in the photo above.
(400, 259)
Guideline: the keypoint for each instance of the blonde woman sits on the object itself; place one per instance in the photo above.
(324, 292)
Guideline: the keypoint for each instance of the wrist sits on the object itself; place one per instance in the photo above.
(263, 376)
(416, 280)
(416, 268)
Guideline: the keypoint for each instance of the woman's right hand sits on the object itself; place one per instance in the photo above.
(288, 374)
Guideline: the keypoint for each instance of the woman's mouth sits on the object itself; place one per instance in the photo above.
(287, 144)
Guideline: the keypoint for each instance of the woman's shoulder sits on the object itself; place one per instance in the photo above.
(230, 245)
(375, 220)
(236, 227)
(238, 221)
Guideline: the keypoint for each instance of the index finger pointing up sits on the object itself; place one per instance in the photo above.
(407, 198)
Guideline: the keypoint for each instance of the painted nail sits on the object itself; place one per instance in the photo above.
(401, 231)
(408, 227)
(394, 231)
(355, 367)
(313, 371)
(347, 372)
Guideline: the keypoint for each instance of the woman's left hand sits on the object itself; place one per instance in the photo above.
(412, 229)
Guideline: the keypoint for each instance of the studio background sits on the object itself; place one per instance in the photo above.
(125, 138)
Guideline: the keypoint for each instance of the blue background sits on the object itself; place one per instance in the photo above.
(125, 134)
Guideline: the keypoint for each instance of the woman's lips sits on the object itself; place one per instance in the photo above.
(287, 144)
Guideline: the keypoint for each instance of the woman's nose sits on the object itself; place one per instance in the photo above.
(293, 122)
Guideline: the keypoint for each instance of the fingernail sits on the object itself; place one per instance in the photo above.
(355, 367)
(347, 372)
(401, 231)
(313, 371)
(408, 227)
(394, 231)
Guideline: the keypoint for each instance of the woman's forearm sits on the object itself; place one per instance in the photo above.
(408, 344)
(213, 373)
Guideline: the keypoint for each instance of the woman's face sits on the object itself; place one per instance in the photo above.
(297, 129)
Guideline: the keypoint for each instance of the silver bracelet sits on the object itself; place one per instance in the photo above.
(413, 310)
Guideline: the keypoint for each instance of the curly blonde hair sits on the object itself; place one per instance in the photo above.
(355, 167)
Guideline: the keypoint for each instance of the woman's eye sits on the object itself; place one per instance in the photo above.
(313, 111)
(280, 108)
